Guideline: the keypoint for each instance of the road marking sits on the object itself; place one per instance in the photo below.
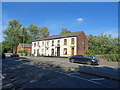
(98, 79)
(1, 77)
(78, 77)
(75, 73)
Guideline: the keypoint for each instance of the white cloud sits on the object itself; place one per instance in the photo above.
(80, 19)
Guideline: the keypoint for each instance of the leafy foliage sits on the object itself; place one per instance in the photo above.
(44, 32)
(102, 44)
(33, 32)
(12, 34)
(112, 57)
(64, 31)
(15, 34)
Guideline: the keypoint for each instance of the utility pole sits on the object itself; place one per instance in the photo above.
(23, 38)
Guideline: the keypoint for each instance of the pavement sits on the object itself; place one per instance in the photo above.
(105, 69)
(28, 72)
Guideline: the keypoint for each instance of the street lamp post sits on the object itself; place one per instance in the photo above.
(23, 38)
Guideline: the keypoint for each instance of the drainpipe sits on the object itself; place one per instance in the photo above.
(45, 47)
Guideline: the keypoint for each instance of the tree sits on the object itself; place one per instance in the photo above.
(102, 44)
(44, 32)
(24, 35)
(0, 46)
(6, 47)
(33, 32)
(12, 34)
(64, 31)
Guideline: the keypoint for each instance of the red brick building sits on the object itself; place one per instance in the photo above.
(24, 46)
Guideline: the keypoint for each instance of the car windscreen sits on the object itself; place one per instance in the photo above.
(86, 56)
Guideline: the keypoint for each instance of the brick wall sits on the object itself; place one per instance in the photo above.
(29, 49)
(19, 48)
(82, 48)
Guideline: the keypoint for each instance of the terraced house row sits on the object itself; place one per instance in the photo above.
(64, 45)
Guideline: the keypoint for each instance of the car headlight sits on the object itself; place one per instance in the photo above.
(93, 60)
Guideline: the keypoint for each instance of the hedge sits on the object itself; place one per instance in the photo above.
(112, 57)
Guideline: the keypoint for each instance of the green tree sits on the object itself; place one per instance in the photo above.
(0, 46)
(44, 32)
(24, 35)
(6, 47)
(33, 32)
(64, 31)
(102, 44)
(12, 34)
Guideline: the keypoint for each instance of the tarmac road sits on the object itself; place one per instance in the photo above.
(22, 74)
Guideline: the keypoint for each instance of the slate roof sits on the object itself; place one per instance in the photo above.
(26, 45)
(59, 36)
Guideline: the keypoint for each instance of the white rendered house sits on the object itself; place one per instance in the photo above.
(65, 45)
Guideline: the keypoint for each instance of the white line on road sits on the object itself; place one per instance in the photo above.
(1, 77)
(98, 79)
(78, 77)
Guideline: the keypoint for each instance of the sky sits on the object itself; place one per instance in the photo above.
(91, 17)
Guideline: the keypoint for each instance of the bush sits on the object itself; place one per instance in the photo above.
(112, 57)
(23, 51)
(38, 54)
(89, 52)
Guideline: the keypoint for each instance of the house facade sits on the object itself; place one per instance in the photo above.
(24, 46)
(65, 45)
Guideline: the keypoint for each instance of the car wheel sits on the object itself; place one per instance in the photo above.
(72, 60)
(89, 62)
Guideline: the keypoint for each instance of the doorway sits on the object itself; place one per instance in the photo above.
(72, 51)
(58, 51)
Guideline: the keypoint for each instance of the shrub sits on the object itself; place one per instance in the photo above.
(22, 51)
(38, 54)
(89, 52)
(112, 57)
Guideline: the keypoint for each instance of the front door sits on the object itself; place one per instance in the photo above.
(52, 54)
(72, 51)
(37, 52)
(58, 51)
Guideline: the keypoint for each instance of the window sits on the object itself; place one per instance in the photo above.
(65, 51)
(34, 44)
(42, 50)
(47, 43)
(65, 41)
(43, 43)
(37, 51)
(52, 43)
(72, 41)
(34, 51)
(58, 42)
(52, 52)
(38, 44)
(83, 44)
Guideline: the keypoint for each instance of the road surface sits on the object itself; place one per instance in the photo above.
(22, 74)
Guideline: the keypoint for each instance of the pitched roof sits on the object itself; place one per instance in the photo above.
(26, 45)
(59, 36)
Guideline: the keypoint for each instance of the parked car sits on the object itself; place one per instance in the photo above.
(14, 55)
(84, 59)
(2, 55)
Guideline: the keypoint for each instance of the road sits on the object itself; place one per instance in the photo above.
(22, 74)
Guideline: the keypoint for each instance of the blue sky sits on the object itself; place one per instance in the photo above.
(90, 17)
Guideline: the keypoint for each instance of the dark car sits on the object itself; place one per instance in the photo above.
(84, 59)
(14, 55)
(2, 56)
